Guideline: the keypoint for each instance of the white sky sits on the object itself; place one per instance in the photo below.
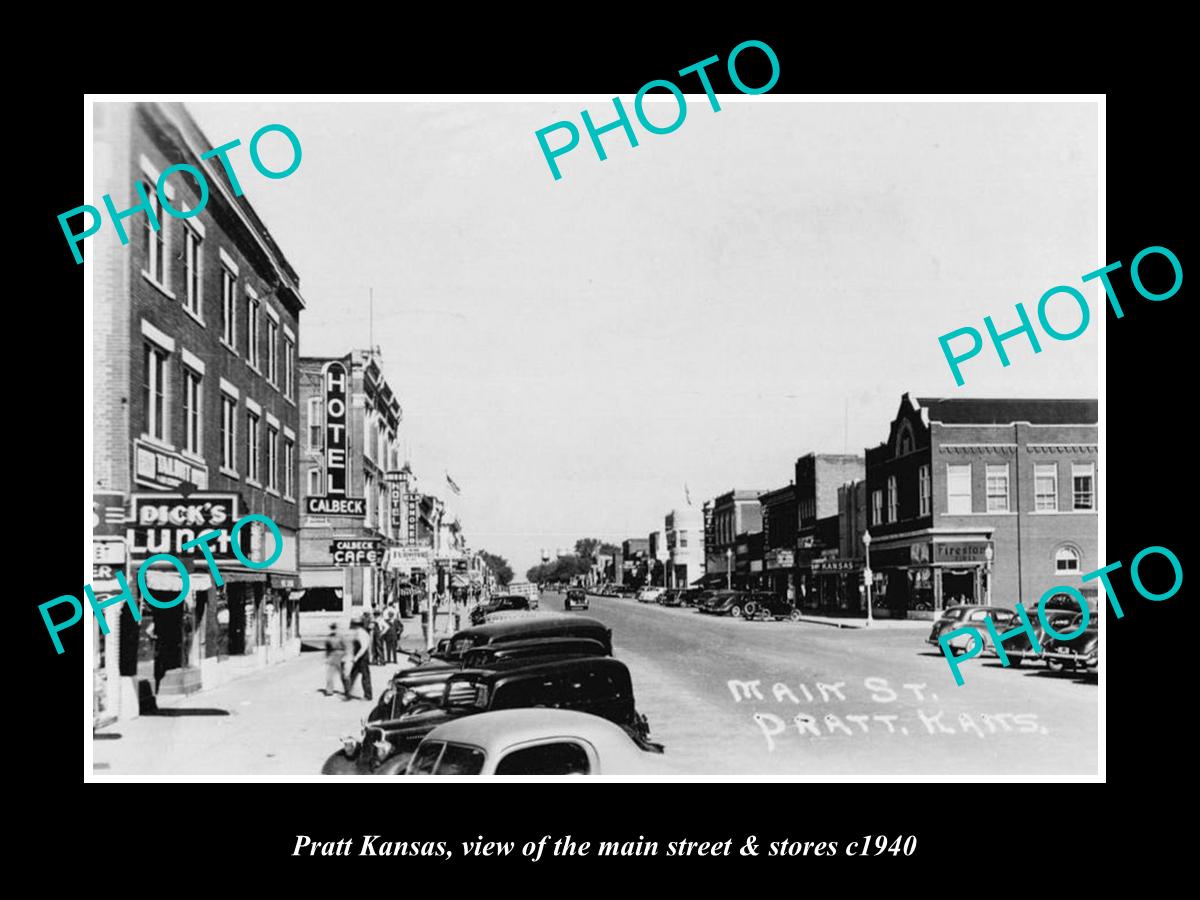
(703, 308)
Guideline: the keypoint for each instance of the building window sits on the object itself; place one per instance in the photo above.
(893, 511)
(1083, 486)
(368, 442)
(252, 348)
(192, 414)
(154, 392)
(272, 458)
(192, 265)
(1066, 560)
(876, 507)
(228, 432)
(228, 309)
(958, 490)
(314, 483)
(289, 368)
(272, 351)
(156, 239)
(682, 539)
(289, 468)
(1045, 487)
(997, 488)
(925, 490)
(316, 428)
(369, 496)
(252, 446)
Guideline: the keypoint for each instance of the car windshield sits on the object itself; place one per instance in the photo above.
(459, 759)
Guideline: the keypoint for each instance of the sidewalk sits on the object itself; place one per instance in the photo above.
(857, 622)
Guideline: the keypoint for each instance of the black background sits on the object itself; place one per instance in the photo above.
(166, 831)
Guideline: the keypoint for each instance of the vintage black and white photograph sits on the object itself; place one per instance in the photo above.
(472, 437)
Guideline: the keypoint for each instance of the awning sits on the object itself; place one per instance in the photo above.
(321, 578)
(287, 580)
(170, 580)
(457, 580)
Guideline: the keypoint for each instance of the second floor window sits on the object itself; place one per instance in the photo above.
(892, 503)
(1083, 486)
(228, 306)
(289, 468)
(252, 446)
(925, 489)
(289, 368)
(316, 487)
(997, 488)
(192, 414)
(154, 391)
(876, 507)
(958, 490)
(316, 428)
(272, 458)
(228, 428)
(192, 263)
(1045, 487)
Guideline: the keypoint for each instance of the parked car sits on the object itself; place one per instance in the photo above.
(1079, 653)
(1019, 648)
(725, 603)
(624, 590)
(426, 683)
(540, 626)
(532, 742)
(694, 596)
(597, 685)
(973, 615)
(768, 605)
(649, 595)
(501, 603)
(670, 597)
(576, 598)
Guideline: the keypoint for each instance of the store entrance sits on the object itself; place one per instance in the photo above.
(958, 587)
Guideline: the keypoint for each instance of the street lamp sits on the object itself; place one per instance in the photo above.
(729, 569)
(867, 575)
(987, 570)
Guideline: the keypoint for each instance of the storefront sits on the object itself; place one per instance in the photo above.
(838, 586)
(780, 575)
(920, 575)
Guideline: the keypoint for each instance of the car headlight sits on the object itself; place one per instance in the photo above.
(350, 746)
(383, 749)
(409, 697)
(386, 697)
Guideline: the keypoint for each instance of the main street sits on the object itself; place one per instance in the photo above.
(724, 695)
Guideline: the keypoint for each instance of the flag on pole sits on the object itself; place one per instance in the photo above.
(454, 487)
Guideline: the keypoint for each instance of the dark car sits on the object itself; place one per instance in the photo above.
(1063, 618)
(969, 615)
(503, 603)
(670, 597)
(693, 596)
(536, 626)
(767, 605)
(1077, 654)
(576, 598)
(725, 603)
(597, 685)
(426, 683)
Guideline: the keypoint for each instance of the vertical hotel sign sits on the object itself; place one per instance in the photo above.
(335, 429)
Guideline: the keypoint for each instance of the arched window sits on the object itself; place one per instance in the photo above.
(1066, 559)
(905, 442)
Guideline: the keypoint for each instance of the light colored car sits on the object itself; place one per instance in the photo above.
(650, 595)
(536, 741)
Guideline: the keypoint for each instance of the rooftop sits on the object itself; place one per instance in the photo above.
(991, 411)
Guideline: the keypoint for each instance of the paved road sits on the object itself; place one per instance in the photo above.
(729, 696)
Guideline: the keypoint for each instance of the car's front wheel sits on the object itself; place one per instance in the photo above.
(794, 615)
(751, 610)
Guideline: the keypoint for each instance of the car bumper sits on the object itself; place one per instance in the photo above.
(1072, 659)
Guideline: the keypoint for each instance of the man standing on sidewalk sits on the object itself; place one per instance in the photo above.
(391, 634)
(360, 647)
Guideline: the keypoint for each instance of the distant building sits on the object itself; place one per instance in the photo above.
(821, 582)
(977, 500)
(733, 513)
(684, 530)
(635, 553)
(780, 526)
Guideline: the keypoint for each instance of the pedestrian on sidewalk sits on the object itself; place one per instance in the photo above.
(359, 644)
(335, 654)
(391, 636)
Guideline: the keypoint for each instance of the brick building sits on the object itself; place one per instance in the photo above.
(352, 514)
(780, 526)
(733, 513)
(978, 499)
(195, 417)
(822, 582)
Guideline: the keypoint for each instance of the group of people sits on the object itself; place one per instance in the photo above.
(372, 640)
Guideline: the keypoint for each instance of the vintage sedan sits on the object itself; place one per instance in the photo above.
(1019, 647)
(693, 596)
(964, 615)
(502, 603)
(576, 598)
(1077, 654)
(725, 603)
(768, 605)
(532, 742)
(649, 595)
(670, 597)
(533, 626)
